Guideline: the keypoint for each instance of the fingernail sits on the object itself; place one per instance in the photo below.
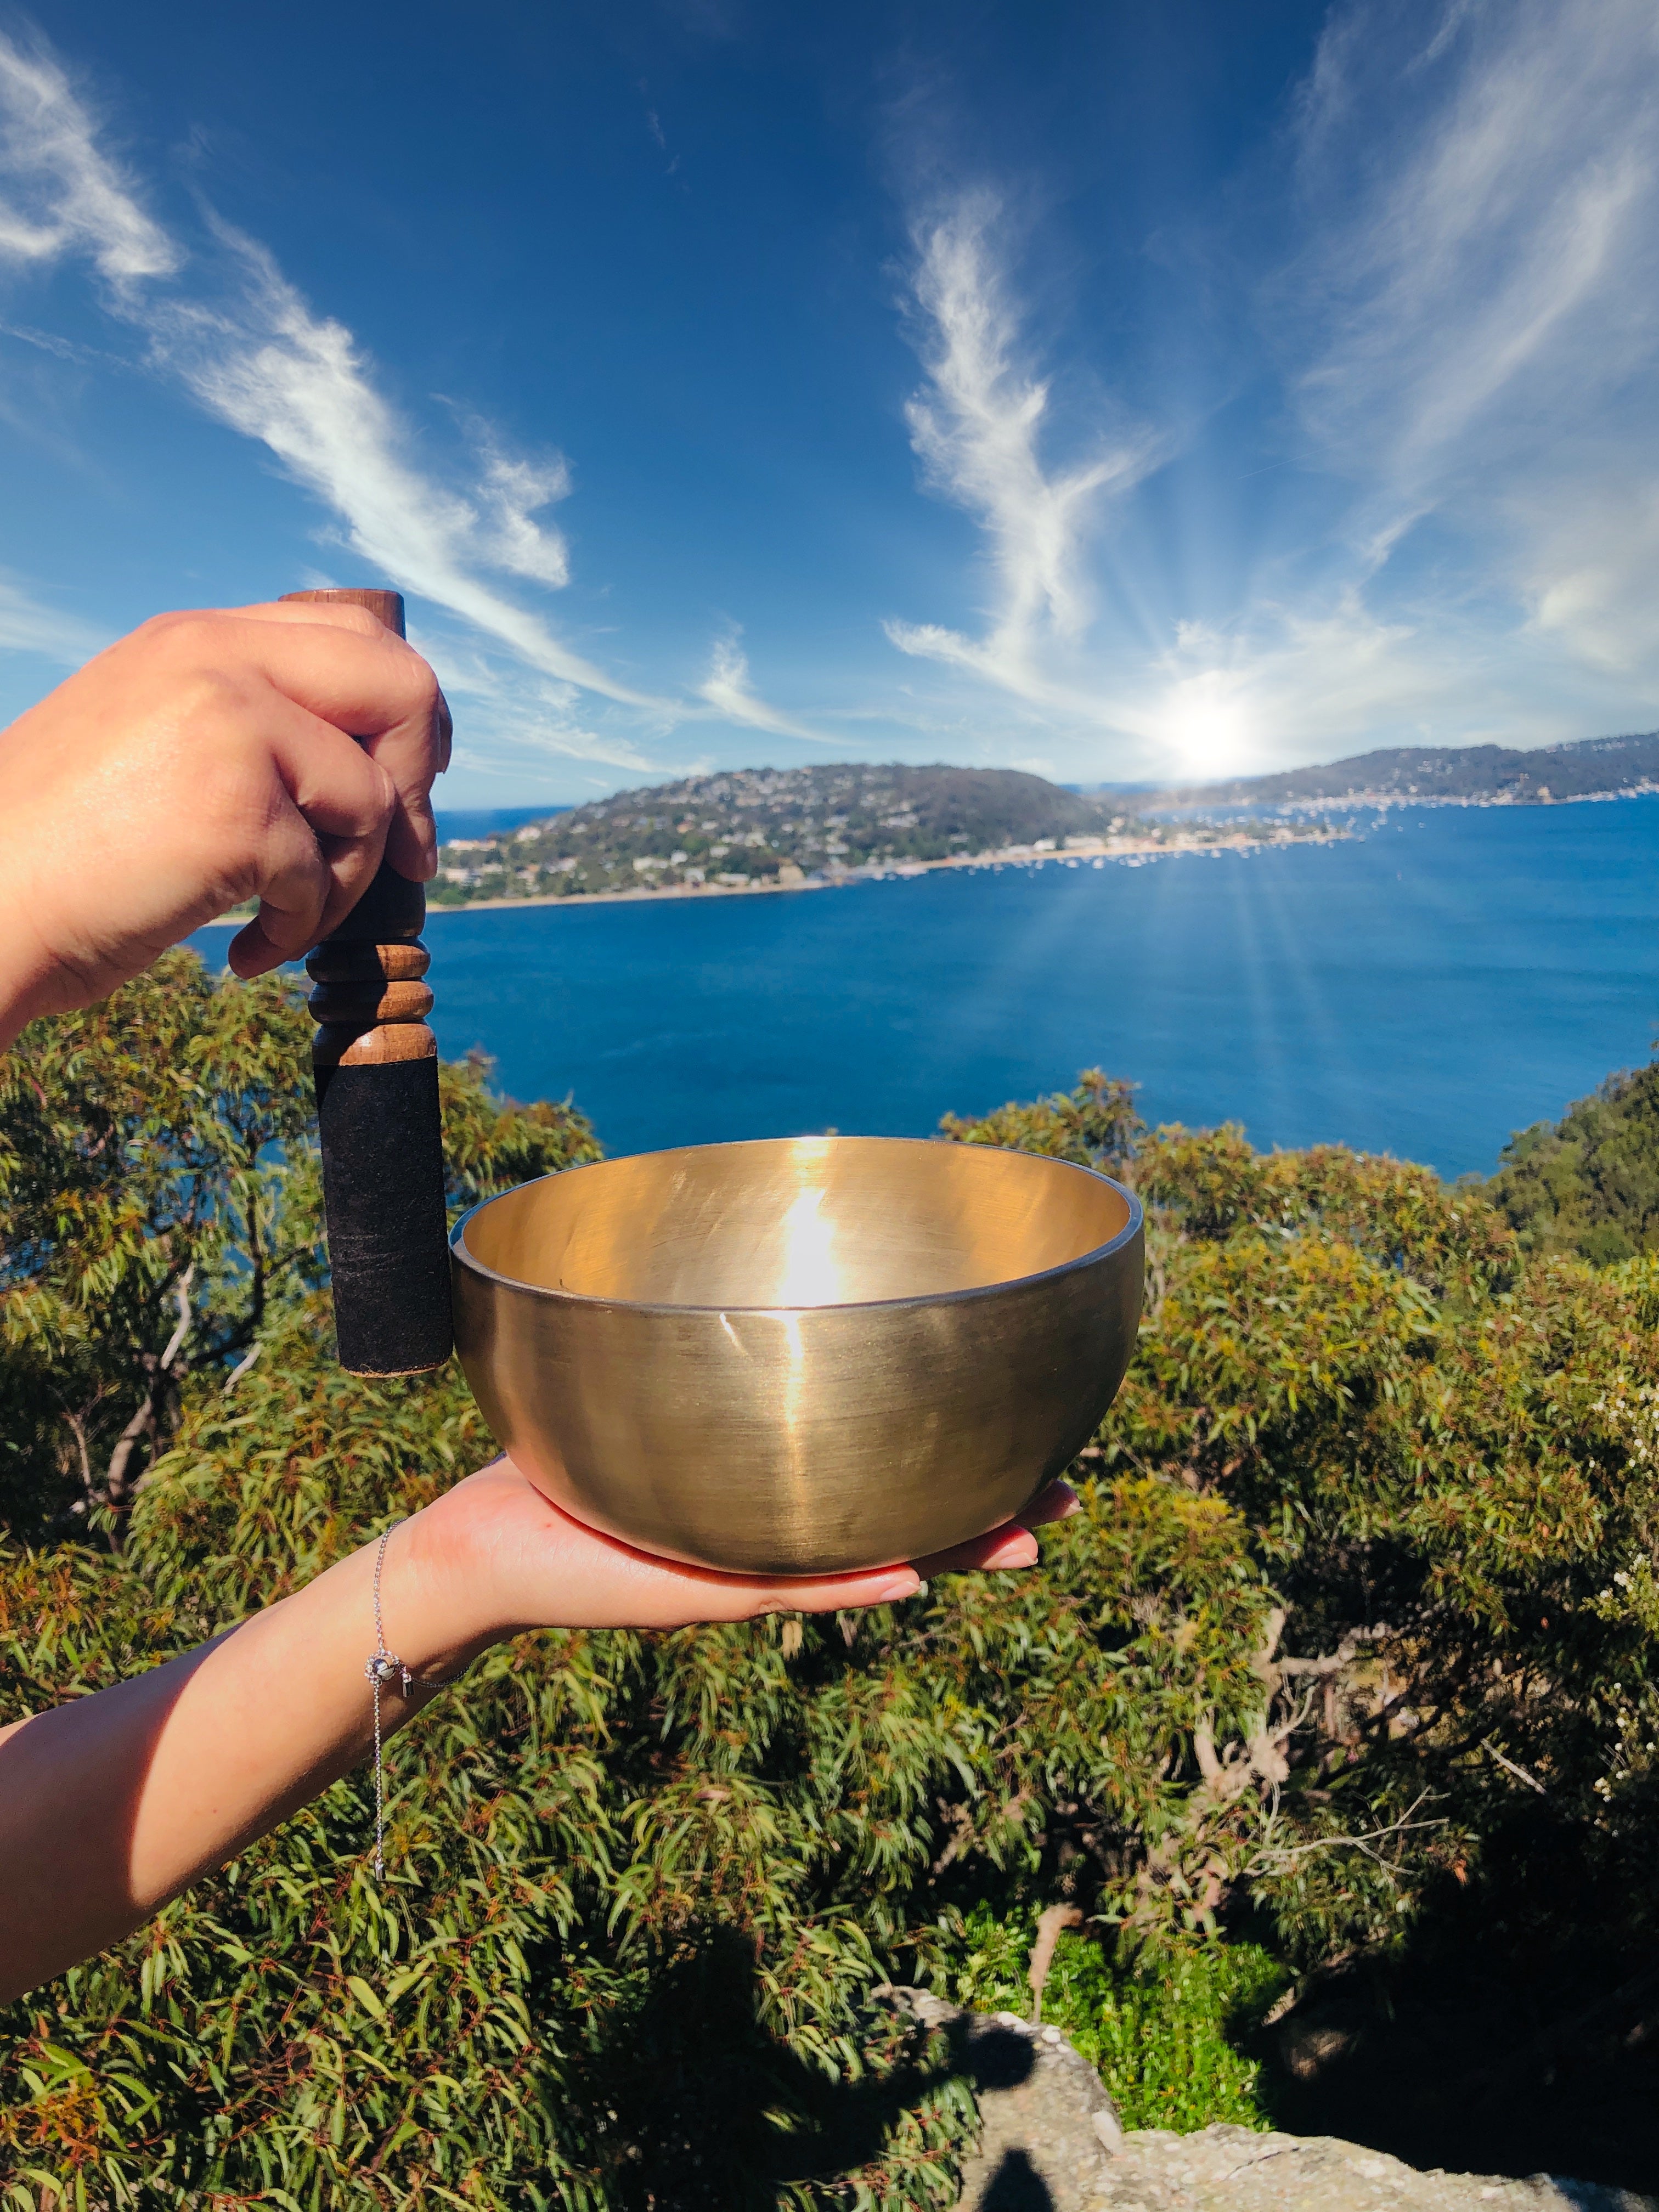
(898, 1586)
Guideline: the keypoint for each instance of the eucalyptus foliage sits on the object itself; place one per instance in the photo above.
(1589, 1183)
(1359, 1604)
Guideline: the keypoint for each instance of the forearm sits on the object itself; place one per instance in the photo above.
(112, 1804)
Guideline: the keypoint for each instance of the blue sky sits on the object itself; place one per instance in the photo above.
(1113, 392)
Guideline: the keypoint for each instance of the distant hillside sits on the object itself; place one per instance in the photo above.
(754, 825)
(1590, 767)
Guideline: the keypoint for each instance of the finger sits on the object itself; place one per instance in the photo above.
(701, 1594)
(319, 853)
(412, 844)
(344, 614)
(340, 789)
(355, 673)
(412, 838)
(293, 900)
(337, 801)
(1010, 1545)
(569, 1573)
(1057, 1502)
(843, 1593)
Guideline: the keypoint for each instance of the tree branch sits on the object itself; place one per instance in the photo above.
(176, 1341)
(239, 1369)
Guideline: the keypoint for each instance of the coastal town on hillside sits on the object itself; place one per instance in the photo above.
(753, 829)
(1445, 775)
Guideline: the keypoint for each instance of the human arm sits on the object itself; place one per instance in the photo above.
(114, 1803)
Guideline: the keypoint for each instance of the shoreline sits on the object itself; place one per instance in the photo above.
(1380, 801)
(1136, 853)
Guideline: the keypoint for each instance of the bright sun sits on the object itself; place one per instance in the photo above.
(1208, 733)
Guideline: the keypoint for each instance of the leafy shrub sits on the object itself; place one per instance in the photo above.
(1096, 1125)
(1346, 1667)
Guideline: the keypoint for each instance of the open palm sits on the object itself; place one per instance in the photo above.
(536, 1567)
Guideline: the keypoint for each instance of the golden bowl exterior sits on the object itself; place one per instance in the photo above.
(799, 1356)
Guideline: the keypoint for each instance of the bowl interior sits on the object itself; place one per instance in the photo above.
(799, 1221)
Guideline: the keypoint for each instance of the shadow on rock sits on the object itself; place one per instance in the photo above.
(1017, 2186)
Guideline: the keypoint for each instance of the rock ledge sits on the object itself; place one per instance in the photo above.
(1051, 2141)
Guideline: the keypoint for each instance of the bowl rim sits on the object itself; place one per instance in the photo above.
(462, 1257)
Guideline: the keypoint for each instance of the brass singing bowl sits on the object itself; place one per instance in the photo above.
(799, 1356)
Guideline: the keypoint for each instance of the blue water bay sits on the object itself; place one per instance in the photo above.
(1443, 978)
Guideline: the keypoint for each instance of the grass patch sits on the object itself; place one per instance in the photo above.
(1164, 2039)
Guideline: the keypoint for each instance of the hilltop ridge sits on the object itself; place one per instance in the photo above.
(769, 829)
(763, 829)
(746, 827)
(1584, 767)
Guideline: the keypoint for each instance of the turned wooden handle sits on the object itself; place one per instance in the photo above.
(375, 1064)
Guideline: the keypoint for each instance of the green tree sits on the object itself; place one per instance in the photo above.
(1588, 1183)
(145, 1188)
(161, 1198)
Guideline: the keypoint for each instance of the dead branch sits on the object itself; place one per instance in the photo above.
(1333, 1663)
(239, 1369)
(1204, 1750)
(1050, 1922)
(1261, 1760)
(175, 1342)
(78, 1430)
(142, 1424)
(1280, 1858)
(960, 1822)
(1510, 1767)
(1263, 1661)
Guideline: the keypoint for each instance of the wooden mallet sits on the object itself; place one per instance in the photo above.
(375, 1063)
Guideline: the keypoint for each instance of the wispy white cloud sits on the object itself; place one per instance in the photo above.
(515, 492)
(1475, 324)
(28, 626)
(260, 359)
(252, 352)
(273, 369)
(60, 192)
(1467, 344)
(50, 341)
(1480, 261)
(728, 691)
(977, 427)
(1588, 556)
(516, 716)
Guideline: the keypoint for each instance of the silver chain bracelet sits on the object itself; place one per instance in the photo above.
(382, 1667)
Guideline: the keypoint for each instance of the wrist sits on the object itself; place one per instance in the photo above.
(31, 980)
(446, 1612)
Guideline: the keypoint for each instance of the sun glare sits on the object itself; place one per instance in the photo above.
(1208, 733)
